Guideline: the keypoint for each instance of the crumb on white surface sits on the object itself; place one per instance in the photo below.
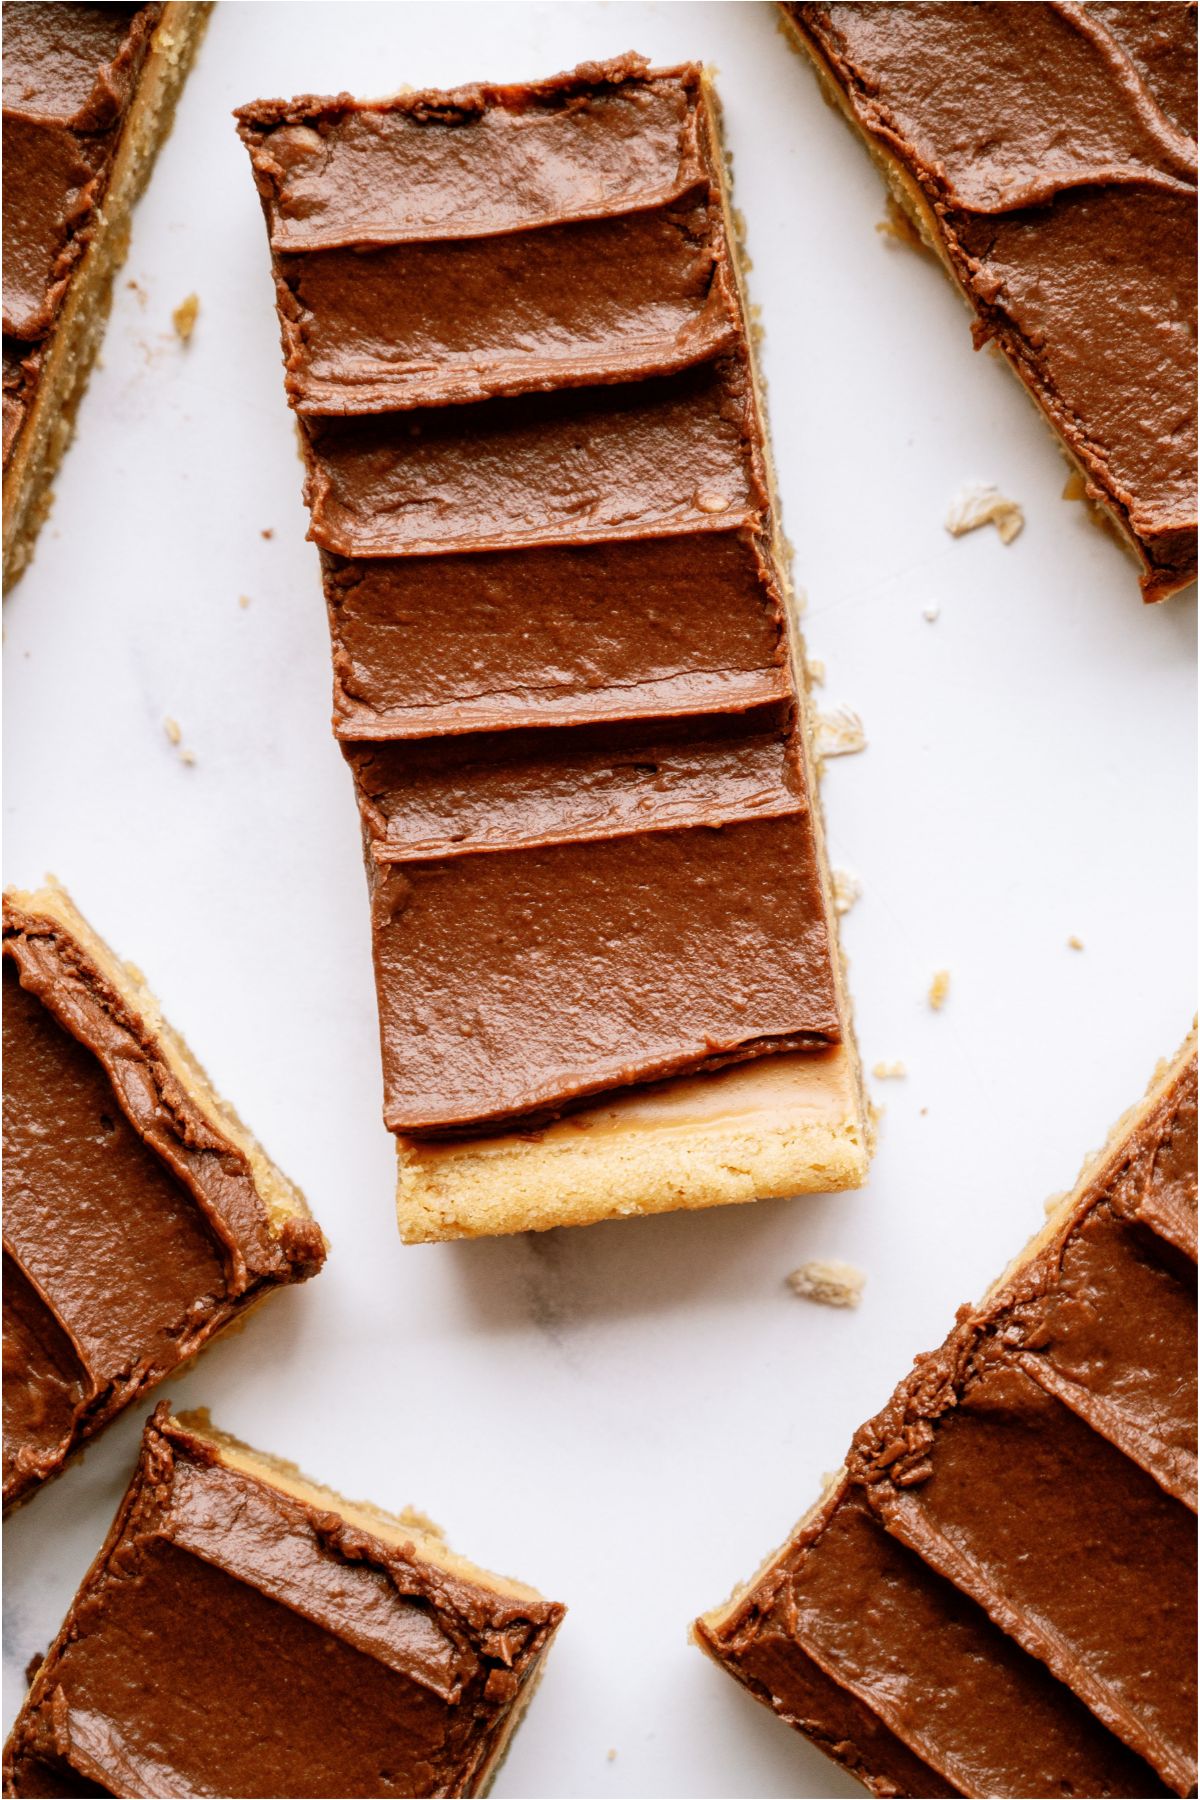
(828, 1283)
(932, 612)
(1074, 943)
(847, 888)
(172, 729)
(839, 732)
(243, 601)
(980, 503)
(889, 1071)
(184, 317)
(939, 989)
(268, 531)
(612, 1756)
(188, 758)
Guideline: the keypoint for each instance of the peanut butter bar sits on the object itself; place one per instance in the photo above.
(1047, 155)
(140, 1216)
(997, 1595)
(565, 676)
(245, 1631)
(89, 95)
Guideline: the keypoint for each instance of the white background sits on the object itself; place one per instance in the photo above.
(629, 1415)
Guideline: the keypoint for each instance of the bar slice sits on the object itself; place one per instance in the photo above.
(246, 1631)
(997, 1594)
(565, 674)
(140, 1216)
(89, 96)
(1047, 155)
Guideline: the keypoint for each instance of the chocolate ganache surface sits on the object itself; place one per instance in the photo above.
(69, 74)
(513, 333)
(1049, 152)
(1014, 1536)
(239, 1635)
(133, 1228)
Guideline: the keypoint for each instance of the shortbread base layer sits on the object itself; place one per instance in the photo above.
(786, 1125)
(72, 347)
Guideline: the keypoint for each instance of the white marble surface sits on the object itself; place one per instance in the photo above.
(632, 1414)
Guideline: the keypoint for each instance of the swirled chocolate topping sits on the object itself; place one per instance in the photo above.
(134, 1226)
(998, 1595)
(513, 334)
(1049, 153)
(245, 1632)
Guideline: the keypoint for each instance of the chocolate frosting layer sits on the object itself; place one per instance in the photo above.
(475, 162)
(576, 466)
(1019, 1521)
(648, 629)
(536, 473)
(610, 300)
(1054, 147)
(133, 1227)
(233, 1638)
(69, 74)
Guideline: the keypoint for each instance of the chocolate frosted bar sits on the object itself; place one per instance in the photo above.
(140, 1217)
(564, 675)
(997, 1595)
(1047, 153)
(89, 95)
(244, 1631)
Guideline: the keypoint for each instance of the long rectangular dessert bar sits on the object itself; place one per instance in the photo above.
(140, 1216)
(564, 673)
(246, 1631)
(89, 96)
(997, 1595)
(1047, 154)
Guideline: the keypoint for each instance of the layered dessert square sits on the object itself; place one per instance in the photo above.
(246, 1631)
(1047, 155)
(140, 1216)
(997, 1594)
(565, 673)
(89, 95)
